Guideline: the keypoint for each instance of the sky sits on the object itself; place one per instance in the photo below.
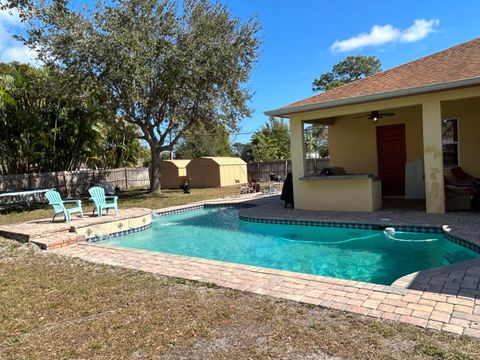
(302, 39)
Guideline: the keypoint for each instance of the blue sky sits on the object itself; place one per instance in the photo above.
(304, 38)
(298, 37)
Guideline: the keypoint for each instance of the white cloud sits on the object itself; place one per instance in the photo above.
(19, 53)
(380, 35)
(420, 29)
(10, 48)
(10, 17)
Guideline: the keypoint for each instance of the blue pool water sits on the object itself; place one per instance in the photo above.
(354, 254)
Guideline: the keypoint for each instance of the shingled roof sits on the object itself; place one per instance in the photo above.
(443, 70)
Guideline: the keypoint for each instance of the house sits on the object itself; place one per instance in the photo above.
(393, 133)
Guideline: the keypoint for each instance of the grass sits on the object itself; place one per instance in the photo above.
(129, 199)
(58, 307)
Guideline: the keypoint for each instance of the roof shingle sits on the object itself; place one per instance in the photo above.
(456, 63)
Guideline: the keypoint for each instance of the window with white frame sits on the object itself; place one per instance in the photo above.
(450, 142)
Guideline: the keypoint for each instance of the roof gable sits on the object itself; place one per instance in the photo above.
(179, 163)
(217, 160)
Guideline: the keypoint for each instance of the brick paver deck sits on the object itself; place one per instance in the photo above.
(51, 235)
(445, 298)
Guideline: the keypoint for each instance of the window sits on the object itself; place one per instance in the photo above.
(450, 142)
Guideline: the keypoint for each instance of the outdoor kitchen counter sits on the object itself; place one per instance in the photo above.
(357, 192)
(338, 177)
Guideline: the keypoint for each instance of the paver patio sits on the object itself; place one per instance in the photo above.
(446, 298)
(51, 235)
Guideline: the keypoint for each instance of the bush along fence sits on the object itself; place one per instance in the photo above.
(275, 170)
(74, 183)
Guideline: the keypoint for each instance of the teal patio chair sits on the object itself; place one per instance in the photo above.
(55, 200)
(100, 200)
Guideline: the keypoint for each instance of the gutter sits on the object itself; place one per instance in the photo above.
(286, 112)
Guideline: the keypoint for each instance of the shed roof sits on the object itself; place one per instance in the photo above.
(178, 163)
(450, 68)
(224, 160)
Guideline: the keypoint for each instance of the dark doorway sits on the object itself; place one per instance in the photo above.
(392, 157)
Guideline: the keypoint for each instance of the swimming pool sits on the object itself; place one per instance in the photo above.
(353, 254)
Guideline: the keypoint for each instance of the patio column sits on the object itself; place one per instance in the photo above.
(433, 156)
(297, 149)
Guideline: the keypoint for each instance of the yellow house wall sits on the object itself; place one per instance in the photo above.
(353, 143)
(468, 113)
(434, 200)
(338, 195)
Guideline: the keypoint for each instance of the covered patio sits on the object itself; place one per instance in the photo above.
(393, 134)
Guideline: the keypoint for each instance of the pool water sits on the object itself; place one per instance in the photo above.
(353, 254)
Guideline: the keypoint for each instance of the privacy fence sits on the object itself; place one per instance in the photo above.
(76, 182)
(278, 169)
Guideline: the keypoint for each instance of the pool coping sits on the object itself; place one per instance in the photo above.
(432, 310)
(431, 229)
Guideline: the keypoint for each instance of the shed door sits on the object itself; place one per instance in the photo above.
(391, 150)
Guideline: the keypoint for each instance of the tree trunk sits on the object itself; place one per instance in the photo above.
(155, 186)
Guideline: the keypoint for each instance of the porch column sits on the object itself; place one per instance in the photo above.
(433, 156)
(297, 149)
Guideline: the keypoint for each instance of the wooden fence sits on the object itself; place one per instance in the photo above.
(279, 169)
(76, 182)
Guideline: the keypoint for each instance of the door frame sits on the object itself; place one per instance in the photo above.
(377, 129)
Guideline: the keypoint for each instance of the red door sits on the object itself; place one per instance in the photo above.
(391, 159)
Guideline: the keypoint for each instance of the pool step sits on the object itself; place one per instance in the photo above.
(58, 234)
(57, 241)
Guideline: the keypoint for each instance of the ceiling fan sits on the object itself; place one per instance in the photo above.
(375, 115)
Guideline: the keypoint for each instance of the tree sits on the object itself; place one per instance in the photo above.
(204, 140)
(271, 142)
(348, 70)
(47, 126)
(243, 151)
(316, 143)
(164, 69)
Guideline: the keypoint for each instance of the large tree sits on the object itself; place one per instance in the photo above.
(204, 139)
(243, 151)
(271, 142)
(348, 70)
(165, 68)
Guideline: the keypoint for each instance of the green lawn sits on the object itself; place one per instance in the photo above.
(132, 198)
(54, 307)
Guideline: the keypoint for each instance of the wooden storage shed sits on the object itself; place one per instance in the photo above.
(173, 173)
(207, 172)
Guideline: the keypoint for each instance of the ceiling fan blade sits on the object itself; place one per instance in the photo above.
(387, 114)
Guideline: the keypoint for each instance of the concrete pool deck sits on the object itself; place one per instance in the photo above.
(445, 298)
